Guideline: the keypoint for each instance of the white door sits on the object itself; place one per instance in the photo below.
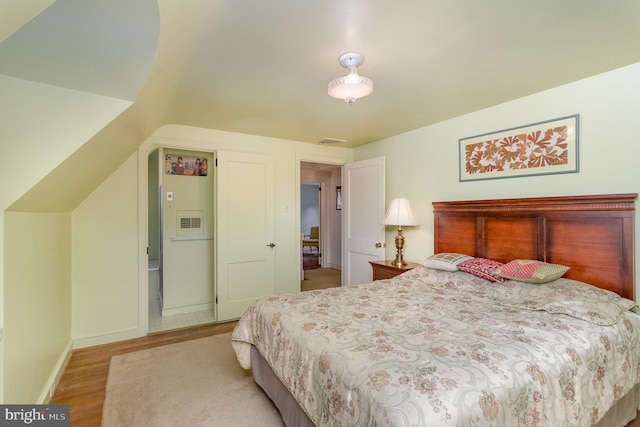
(363, 218)
(246, 224)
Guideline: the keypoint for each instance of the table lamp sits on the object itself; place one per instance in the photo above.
(399, 213)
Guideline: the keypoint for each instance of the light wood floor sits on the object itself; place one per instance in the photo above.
(82, 385)
(636, 422)
(83, 382)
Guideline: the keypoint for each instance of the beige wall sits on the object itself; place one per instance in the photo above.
(38, 315)
(422, 165)
(105, 259)
(42, 126)
(109, 229)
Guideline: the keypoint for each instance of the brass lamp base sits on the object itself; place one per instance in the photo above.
(399, 260)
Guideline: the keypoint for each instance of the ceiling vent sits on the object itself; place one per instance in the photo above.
(331, 141)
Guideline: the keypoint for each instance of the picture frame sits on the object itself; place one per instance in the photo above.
(542, 148)
(339, 197)
(181, 164)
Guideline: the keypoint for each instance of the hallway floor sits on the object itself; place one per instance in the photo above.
(157, 323)
(320, 278)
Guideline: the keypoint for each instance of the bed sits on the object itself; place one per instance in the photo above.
(443, 347)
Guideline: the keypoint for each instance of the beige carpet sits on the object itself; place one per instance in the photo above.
(320, 278)
(193, 383)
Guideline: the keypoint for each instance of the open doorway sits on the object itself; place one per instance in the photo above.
(180, 239)
(320, 225)
(310, 224)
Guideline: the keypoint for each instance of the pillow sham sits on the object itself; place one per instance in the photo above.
(531, 271)
(571, 298)
(446, 261)
(482, 267)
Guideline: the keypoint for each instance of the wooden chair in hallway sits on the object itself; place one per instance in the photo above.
(312, 240)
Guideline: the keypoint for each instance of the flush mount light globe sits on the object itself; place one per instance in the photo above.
(352, 86)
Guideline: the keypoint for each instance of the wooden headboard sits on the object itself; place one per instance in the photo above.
(591, 234)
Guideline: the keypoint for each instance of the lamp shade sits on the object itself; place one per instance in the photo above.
(399, 213)
(352, 86)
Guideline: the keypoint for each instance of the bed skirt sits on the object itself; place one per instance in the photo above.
(292, 414)
(624, 411)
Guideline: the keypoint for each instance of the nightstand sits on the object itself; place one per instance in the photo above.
(385, 270)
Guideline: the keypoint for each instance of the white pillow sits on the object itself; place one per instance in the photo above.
(445, 261)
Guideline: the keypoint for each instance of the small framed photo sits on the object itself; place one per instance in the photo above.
(542, 148)
(339, 197)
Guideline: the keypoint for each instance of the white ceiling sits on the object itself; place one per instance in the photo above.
(262, 67)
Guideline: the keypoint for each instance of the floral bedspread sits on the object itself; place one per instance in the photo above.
(436, 348)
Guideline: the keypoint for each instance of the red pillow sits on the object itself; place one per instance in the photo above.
(531, 271)
(482, 267)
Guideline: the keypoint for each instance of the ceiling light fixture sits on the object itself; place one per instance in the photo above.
(352, 86)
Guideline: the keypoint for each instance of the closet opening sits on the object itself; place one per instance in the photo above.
(181, 239)
(320, 225)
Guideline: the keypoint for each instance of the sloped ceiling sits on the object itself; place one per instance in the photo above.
(262, 68)
(16, 13)
(103, 47)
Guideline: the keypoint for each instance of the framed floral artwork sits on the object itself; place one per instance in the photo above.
(542, 148)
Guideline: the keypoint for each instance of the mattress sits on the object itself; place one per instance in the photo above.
(447, 348)
(623, 411)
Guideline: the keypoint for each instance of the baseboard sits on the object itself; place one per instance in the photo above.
(187, 309)
(115, 336)
(54, 379)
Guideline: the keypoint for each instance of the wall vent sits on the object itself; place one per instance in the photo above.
(189, 223)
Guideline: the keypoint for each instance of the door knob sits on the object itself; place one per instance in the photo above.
(272, 245)
(380, 245)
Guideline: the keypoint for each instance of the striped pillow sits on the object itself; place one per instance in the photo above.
(531, 271)
(447, 261)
